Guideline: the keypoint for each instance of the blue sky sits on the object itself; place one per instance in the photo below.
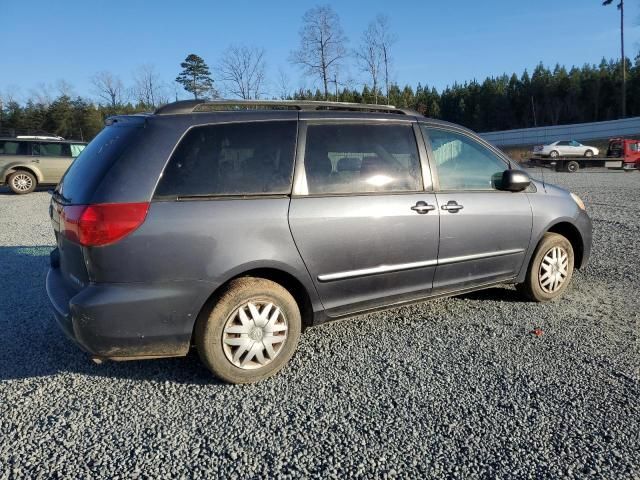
(438, 44)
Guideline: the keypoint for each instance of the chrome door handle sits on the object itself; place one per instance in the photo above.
(35, 160)
(452, 206)
(422, 207)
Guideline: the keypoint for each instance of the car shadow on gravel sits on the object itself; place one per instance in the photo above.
(32, 345)
(4, 190)
(497, 294)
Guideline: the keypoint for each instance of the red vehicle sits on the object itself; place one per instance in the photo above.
(627, 150)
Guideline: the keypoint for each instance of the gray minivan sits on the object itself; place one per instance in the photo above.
(29, 161)
(229, 226)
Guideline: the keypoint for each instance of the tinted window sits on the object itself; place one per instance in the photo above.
(563, 144)
(462, 163)
(11, 147)
(233, 159)
(54, 150)
(361, 158)
(86, 171)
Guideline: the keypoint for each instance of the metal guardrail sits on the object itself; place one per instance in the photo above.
(628, 127)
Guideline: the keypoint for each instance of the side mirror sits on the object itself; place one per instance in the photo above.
(514, 181)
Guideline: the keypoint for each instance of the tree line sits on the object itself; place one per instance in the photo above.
(546, 96)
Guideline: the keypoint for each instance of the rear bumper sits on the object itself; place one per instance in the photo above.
(126, 320)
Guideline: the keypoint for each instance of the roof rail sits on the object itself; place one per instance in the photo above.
(197, 106)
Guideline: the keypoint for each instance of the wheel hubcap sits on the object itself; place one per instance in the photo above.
(254, 335)
(22, 182)
(554, 269)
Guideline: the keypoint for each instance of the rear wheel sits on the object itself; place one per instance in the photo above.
(550, 269)
(251, 332)
(573, 166)
(554, 154)
(21, 182)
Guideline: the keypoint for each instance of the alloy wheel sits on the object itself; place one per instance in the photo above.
(22, 182)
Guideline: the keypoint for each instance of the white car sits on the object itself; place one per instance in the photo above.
(565, 148)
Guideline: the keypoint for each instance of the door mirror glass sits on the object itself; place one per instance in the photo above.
(513, 181)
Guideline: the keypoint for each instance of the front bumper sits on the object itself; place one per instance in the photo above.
(122, 321)
(584, 225)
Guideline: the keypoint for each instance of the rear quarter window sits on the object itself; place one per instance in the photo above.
(235, 159)
(86, 171)
(10, 147)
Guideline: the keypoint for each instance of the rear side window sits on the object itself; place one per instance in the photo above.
(253, 158)
(10, 147)
(361, 158)
(53, 150)
(86, 171)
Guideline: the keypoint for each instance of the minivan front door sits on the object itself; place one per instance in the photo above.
(365, 228)
(484, 232)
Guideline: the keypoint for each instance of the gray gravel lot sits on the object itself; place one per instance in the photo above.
(457, 387)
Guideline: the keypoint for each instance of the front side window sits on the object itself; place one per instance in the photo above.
(351, 158)
(232, 159)
(463, 163)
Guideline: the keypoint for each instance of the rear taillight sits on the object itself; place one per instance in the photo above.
(101, 224)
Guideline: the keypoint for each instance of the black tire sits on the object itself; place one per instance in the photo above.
(573, 166)
(554, 154)
(532, 287)
(22, 181)
(588, 153)
(210, 333)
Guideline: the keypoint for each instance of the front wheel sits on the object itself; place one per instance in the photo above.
(588, 154)
(550, 269)
(22, 182)
(251, 332)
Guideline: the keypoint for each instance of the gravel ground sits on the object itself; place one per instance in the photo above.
(456, 388)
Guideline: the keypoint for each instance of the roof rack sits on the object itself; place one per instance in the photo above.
(197, 106)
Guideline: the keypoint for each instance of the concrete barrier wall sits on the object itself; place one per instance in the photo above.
(629, 127)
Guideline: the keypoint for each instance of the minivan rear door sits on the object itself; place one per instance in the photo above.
(365, 225)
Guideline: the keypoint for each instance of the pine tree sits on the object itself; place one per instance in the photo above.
(195, 76)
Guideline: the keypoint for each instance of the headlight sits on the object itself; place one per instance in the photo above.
(579, 201)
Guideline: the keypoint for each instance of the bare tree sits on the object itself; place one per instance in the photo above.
(322, 44)
(242, 71)
(385, 40)
(369, 56)
(283, 84)
(41, 95)
(108, 87)
(148, 89)
(64, 88)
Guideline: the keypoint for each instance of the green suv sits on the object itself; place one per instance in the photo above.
(29, 161)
